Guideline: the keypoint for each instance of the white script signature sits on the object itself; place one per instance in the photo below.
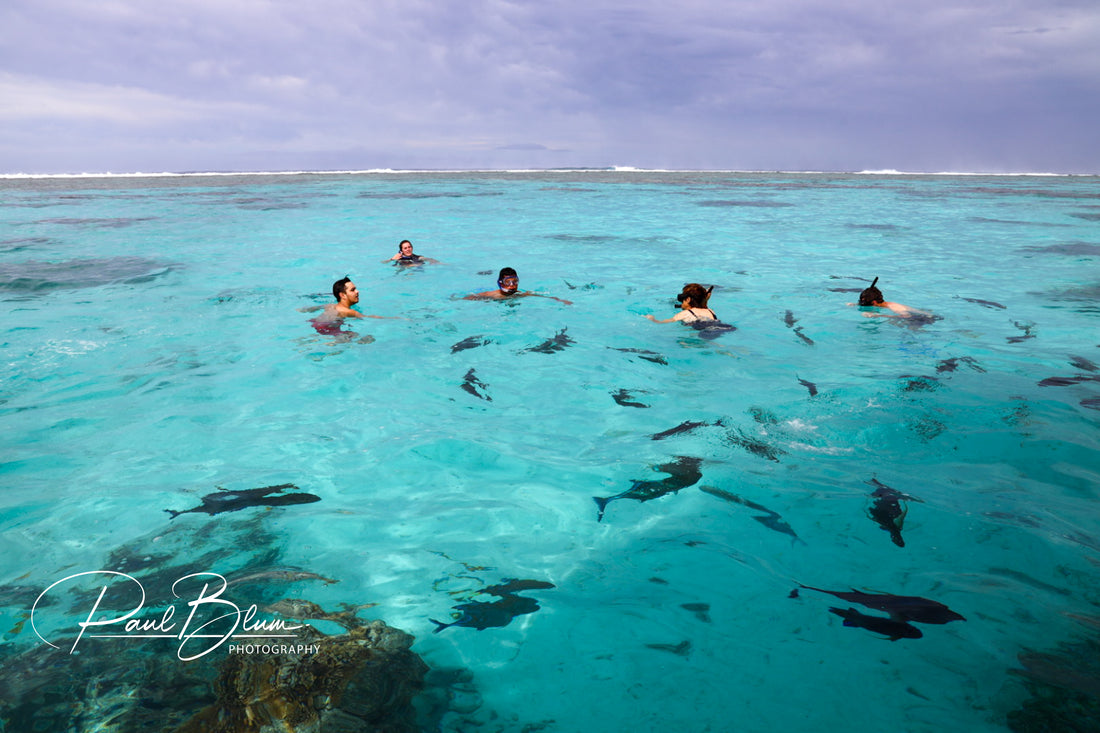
(211, 619)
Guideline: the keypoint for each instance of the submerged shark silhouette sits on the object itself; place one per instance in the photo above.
(887, 510)
(889, 627)
(470, 383)
(232, 501)
(683, 472)
(470, 342)
(482, 615)
(900, 608)
(558, 343)
(772, 520)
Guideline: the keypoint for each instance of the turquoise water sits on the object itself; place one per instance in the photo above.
(155, 348)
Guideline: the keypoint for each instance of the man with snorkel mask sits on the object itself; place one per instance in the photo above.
(872, 298)
(508, 287)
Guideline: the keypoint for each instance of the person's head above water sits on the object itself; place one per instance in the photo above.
(508, 280)
(696, 294)
(508, 289)
(871, 295)
(345, 288)
(405, 248)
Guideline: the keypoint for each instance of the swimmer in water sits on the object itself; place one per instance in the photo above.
(694, 312)
(330, 321)
(405, 255)
(508, 287)
(872, 298)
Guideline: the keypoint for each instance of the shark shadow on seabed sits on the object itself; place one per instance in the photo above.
(483, 615)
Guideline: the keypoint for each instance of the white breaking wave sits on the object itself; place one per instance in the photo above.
(456, 171)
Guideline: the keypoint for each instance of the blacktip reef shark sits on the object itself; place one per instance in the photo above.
(772, 520)
(1026, 328)
(1067, 381)
(1080, 362)
(798, 332)
(682, 472)
(685, 427)
(901, 608)
(626, 399)
(558, 343)
(226, 500)
(790, 320)
(887, 511)
(984, 303)
(645, 354)
(470, 342)
(952, 363)
(470, 383)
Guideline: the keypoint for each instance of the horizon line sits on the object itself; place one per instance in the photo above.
(607, 169)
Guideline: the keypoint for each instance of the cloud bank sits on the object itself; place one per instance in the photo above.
(123, 85)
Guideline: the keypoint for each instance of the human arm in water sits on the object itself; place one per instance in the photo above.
(335, 312)
(897, 310)
(678, 317)
(501, 295)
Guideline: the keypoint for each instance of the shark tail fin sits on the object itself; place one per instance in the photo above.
(846, 615)
(439, 625)
(601, 504)
(174, 514)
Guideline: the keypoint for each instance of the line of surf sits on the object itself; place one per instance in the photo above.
(457, 171)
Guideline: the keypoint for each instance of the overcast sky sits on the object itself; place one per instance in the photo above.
(196, 85)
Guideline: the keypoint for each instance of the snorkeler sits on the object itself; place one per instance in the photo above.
(694, 312)
(693, 305)
(872, 298)
(508, 287)
(405, 255)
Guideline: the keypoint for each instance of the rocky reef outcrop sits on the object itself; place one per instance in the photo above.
(363, 680)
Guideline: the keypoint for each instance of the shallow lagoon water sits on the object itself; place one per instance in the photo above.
(154, 349)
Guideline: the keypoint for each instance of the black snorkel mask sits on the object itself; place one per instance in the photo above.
(683, 295)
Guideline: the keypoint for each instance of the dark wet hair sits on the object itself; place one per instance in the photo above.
(403, 241)
(698, 294)
(338, 287)
(506, 272)
(871, 295)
